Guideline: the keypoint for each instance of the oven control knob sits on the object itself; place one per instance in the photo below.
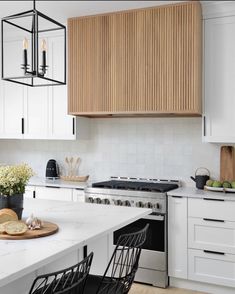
(148, 205)
(97, 200)
(105, 201)
(119, 202)
(157, 205)
(90, 200)
(126, 203)
(139, 204)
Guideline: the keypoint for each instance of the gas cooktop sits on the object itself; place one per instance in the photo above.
(137, 185)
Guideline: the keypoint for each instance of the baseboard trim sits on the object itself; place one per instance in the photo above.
(199, 286)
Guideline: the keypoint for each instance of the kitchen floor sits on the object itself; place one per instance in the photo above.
(143, 289)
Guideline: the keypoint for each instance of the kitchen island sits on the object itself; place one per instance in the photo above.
(80, 224)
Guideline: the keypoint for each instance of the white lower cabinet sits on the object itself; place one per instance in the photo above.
(100, 247)
(209, 267)
(78, 195)
(177, 237)
(54, 193)
(29, 192)
(211, 234)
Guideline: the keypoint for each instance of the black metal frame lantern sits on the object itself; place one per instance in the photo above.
(38, 27)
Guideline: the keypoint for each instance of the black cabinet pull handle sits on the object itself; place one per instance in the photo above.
(73, 126)
(177, 196)
(54, 187)
(212, 199)
(214, 252)
(22, 125)
(204, 125)
(213, 220)
(34, 194)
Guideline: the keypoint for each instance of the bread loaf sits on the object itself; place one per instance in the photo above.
(15, 228)
(7, 214)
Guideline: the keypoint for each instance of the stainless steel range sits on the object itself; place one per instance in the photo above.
(149, 193)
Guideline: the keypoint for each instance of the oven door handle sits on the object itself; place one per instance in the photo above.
(155, 217)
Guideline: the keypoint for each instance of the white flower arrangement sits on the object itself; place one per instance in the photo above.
(13, 179)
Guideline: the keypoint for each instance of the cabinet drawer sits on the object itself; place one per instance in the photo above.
(211, 235)
(211, 268)
(54, 193)
(215, 209)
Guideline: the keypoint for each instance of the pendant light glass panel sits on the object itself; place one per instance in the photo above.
(33, 50)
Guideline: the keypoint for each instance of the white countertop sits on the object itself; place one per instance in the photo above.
(37, 181)
(192, 192)
(78, 224)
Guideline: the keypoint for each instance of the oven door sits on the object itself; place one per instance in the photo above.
(153, 255)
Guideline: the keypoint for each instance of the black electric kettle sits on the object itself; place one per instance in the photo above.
(202, 178)
(52, 169)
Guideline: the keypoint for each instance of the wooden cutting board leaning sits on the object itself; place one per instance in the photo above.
(227, 163)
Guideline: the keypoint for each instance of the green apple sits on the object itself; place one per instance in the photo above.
(209, 183)
(217, 184)
(226, 184)
(233, 184)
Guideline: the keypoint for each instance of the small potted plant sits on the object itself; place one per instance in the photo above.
(13, 179)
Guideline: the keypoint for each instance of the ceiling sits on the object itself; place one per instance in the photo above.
(62, 10)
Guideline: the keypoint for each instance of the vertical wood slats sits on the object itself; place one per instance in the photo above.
(145, 61)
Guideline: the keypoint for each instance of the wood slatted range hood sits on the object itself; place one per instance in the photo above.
(144, 62)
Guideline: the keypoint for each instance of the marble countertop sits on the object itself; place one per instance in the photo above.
(192, 192)
(78, 224)
(37, 181)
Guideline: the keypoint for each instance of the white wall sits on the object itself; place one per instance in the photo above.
(144, 147)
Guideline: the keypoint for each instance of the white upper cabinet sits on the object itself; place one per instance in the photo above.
(62, 125)
(11, 96)
(36, 116)
(37, 112)
(219, 105)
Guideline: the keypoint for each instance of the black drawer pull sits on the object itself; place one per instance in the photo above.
(54, 187)
(213, 220)
(73, 126)
(22, 125)
(212, 199)
(214, 252)
(177, 196)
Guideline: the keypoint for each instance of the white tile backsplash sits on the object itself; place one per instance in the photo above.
(142, 147)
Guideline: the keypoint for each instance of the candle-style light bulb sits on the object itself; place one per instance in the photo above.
(25, 57)
(44, 45)
(25, 44)
(44, 49)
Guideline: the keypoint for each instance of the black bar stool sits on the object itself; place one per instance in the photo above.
(120, 272)
(68, 281)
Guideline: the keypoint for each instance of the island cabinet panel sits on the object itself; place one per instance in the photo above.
(145, 61)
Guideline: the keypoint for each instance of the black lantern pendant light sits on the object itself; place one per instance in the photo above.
(44, 49)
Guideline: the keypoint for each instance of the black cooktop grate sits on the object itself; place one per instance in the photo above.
(136, 186)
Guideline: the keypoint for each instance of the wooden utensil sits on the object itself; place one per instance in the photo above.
(47, 230)
(227, 163)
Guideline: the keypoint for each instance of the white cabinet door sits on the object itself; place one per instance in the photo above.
(212, 267)
(12, 102)
(219, 80)
(78, 195)
(63, 126)
(53, 193)
(36, 113)
(177, 237)
(29, 192)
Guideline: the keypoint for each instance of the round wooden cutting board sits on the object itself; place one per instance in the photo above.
(47, 230)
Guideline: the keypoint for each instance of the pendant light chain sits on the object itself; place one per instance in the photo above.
(34, 4)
